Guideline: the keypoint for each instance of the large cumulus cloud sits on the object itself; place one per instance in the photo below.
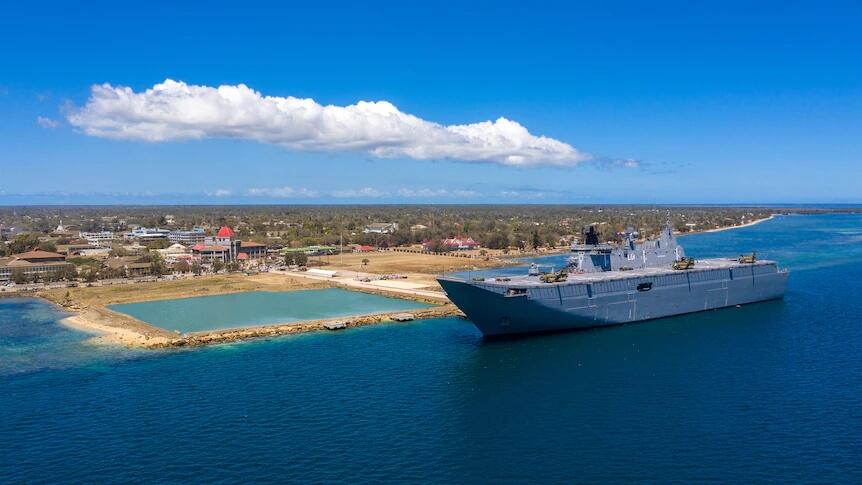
(174, 110)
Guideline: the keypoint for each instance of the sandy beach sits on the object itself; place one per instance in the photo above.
(740, 226)
(110, 331)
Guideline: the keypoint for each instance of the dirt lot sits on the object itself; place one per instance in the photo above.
(387, 262)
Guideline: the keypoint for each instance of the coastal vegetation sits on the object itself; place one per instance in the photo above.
(410, 239)
(493, 226)
(299, 236)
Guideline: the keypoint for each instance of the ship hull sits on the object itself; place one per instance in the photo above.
(579, 305)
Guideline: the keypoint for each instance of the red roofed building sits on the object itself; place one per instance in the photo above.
(253, 250)
(453, 243)
(225, 233)
(32, 264)
(211, 253)
(39, 256)
(225, 248)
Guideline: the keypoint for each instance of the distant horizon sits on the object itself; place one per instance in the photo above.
(785, 205)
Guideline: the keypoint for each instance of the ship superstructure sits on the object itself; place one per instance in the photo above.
(607, 284)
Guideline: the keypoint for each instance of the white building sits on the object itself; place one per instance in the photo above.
(149, 234)
(381, 228)
(95, 251)
(175, 253)
(102, 239)
(189, 238)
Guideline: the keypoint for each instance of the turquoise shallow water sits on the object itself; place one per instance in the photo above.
(769, 392)
(259, 308)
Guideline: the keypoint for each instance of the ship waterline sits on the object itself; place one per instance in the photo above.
(584, 305)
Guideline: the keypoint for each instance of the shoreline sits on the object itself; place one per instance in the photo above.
(90, 313)
(162, 339)
(740, 226)
(111, 335)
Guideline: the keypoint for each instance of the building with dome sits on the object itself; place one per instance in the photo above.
(224, 235)
(225, 247)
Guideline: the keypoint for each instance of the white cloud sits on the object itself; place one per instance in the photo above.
(432, 193)
(47, 122)
(465, 193)
(356, 193)
(282, 192)
(177, 111)
(612, 163)
(404, 193)
(220, 193)
(523, 194)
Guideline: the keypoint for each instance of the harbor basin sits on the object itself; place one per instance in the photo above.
(236, 310)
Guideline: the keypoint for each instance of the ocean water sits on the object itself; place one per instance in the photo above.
(769, 392)
(259, 308)
(31, 340)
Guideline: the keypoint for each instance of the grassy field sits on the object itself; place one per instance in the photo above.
(84, 297)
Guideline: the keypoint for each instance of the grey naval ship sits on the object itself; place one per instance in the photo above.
(610, 284)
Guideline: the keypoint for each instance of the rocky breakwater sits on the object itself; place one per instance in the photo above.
(239, 334)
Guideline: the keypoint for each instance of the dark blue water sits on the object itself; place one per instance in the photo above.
(769, 392)
(260, 308)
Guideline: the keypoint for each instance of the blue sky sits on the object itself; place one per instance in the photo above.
(669, 102)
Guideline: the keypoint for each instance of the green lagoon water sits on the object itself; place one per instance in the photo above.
(234, 310)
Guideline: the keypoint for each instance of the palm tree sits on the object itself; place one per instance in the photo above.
(365, 262)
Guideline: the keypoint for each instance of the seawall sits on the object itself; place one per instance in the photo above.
(238, 334)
